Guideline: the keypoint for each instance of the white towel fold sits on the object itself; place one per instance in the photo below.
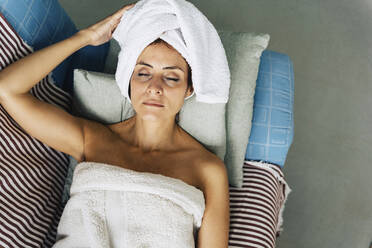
(113, 207)
(182, 25)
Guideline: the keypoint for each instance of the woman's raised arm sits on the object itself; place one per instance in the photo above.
(22, 75)
(44, 121)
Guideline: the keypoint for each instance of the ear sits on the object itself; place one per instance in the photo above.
(189, 91)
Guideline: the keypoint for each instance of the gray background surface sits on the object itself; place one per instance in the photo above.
(329, 165)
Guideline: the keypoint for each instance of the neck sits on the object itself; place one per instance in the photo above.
(152, 136)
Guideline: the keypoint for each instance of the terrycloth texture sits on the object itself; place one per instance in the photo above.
(182, 25)
(112, 206)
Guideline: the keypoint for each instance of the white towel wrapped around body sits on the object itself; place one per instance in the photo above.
(183, 26)
(111, 206)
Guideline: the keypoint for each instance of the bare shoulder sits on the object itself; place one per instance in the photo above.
(93, 132)
(209, 167)
(211, 170)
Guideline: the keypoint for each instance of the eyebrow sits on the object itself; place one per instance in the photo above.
(168, 67)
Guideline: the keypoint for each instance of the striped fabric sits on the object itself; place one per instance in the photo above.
(256, 208)
(32, 174)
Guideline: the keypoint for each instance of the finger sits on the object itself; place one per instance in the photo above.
(116, 24)
(121, 11)
(114, 28)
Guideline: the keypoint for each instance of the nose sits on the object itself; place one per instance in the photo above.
(155, 87)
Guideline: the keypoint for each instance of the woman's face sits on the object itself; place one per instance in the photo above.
(160, 76)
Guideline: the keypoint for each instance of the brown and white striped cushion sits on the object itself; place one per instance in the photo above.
(32, 174)
(256, 208)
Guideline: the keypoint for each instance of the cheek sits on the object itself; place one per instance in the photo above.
(178, 100)
(135, 93)
(136, 87)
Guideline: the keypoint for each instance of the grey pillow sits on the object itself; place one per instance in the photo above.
(243, 52)
(225, 128)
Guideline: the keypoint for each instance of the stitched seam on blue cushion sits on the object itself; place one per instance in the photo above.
(35, 18)
(286, 76)
(2, 6)
(269, 115)
(276, 90)
(291, 107)
(279, 61)
(276, 74)
(276, 145)
(56, 31)
(41, 25)
(48, 13)
(291, 134)
(272, 108)
(276, 126)
(21, 24)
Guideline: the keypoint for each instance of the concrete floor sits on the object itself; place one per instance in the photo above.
(329, 165)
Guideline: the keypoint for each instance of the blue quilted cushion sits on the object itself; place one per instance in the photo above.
(272, 122)
(44, 22)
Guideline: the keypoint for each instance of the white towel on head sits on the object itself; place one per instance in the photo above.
(182, 25)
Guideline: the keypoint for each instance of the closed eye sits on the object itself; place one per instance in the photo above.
(143, 74)
(174, 79)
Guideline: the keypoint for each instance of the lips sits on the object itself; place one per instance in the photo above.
(155, 104)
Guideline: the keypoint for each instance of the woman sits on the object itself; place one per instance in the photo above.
(151, 141)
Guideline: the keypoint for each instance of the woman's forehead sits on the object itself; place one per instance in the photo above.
(160, 55)
(169, 67)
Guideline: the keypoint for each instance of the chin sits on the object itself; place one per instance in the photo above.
(150, 117)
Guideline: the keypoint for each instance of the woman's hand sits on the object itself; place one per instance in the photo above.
(101, 32)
